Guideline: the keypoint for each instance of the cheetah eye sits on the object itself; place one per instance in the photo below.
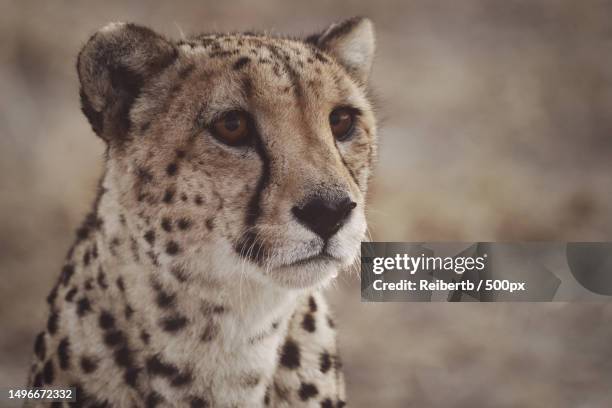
(233, 128)
(342, 123)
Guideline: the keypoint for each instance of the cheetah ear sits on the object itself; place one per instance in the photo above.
(113, 66)
(352, 43)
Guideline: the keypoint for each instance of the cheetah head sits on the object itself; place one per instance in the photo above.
(254, 148)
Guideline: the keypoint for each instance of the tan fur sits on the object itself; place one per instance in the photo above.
(192, 248)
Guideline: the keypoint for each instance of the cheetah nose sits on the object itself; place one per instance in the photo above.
(324, 217)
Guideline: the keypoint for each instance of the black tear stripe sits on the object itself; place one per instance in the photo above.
(247, 245)
(346, 165)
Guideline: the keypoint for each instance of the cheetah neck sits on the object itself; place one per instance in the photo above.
(209, 315)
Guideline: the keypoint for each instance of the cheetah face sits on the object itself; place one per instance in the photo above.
(257, 147)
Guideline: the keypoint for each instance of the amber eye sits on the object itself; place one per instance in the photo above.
(233, 128)
(342, 122)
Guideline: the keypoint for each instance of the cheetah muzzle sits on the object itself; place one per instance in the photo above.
(234, 188)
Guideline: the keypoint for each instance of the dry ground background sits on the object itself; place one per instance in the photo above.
(496, 125)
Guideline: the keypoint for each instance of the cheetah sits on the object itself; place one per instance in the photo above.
(236, 170)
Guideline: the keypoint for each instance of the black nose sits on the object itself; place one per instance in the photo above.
(324, 217)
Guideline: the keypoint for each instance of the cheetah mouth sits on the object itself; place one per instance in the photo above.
(320, 257)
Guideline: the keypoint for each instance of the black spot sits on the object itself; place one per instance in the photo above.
(307, 391)
(120, 284)
(267, 397)
(48, 372)
(166, 224)
(183, 197)
(67, 272)
(52, 295)
(149, 236)
(211, 308)
(134, 249)
(155, 366)
(123, 357)
(327, 403)
(131, 376)
(63, 353)
(52, 322)
(168, 196)
(173, 323)
(38, 380)
(198, 200)
(113, 245)
(184, 223)
(172, 248)
(312, 304)
(197, 402)
(153, 399)
(83, 306)
(92, 222)
(89, 284)
(309, 323)
(153, 256)
(210, 332)
(114, 338)
(86, 258)
(340, 404)
(171, 169)
(241, 62)
(325, 362)
(144, 175)
(179, 273)
(70, 295)
(330, 322)
(106, 321)
(128, 312)
(165, 299)
(321, 57)
(182, 379)
(180, 153)
(40, 348)
(102, 279)
(290, 355)
(210, 224)
(145, 337)
(88, 365)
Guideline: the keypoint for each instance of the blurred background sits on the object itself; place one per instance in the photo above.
(496, 124)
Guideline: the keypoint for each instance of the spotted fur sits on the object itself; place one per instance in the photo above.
(192, 283)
